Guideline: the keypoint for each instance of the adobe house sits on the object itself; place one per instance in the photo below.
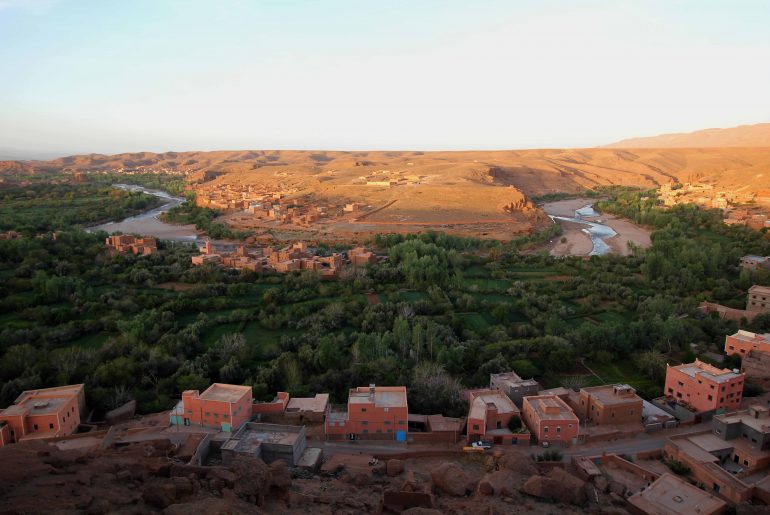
(672, 495)
(374, 412)
(514, 386)
(41, 414)
(550, 419)
(615, 404)
(489, 415)
(222, 406)
(743, 342)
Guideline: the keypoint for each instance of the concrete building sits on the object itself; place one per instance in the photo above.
(758, 301)
(743, 342)
(514, 386)
(670, 495)
(374, 412)
(550, 419)
(614, 404)
(752, 262)
(221, 406)
(704, 387)
(731, 457)
(489, 415)
(752, 425)
(269, 442)
(44, 413)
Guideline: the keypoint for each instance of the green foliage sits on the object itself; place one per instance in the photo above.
(677, 467)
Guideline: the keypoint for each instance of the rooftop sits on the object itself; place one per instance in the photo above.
(43, 401)
(748, 336)
(315, 404)
(511, 379)
(711, 372)
(759, 289)
(755, 417)
(610, 394)
(671, 495)
(383, 396)
(225, 392)
(550, 407)
(484, 399)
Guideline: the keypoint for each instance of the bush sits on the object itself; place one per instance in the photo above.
(677, 467)
(550, 455)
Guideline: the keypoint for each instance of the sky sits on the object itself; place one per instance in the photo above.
(110, 76)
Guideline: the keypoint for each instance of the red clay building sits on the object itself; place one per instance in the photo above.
(46, 413)
(613, 404)
(550, 419)
(375, 412)
(704, 387)
(221, 406)
(743, 342)
(489, 415)
(126, 244)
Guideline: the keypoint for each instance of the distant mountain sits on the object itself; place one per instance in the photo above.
(757, 135)
(21, 154)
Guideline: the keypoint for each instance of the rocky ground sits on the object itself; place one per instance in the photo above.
(151, 477)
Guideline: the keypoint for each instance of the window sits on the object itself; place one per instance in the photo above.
(711, 397)
(365, 431)
(363, 410)
(545, 429)
(558, 429)
(34, 427)
(475, 427)
(208, 414)
(50, 426)
(385, 410)
(711, 386)
(189, 412)
(387, 422)
(225, 417)
(680, 383)
(364, 422)
(216, 415)
(401, 423)
(670, 390)
(746, 462)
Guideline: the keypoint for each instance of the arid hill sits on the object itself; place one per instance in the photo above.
(483, 193)
(533, 172)
(757, 135)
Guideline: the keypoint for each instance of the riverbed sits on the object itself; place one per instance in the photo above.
(149, 223)
(587, 233)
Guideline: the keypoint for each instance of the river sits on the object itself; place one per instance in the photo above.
(148, 223)
(595, 230)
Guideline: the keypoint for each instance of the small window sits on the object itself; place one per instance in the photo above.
(208, 414)
(364, 422)
(475, 427)
(363, 410)
(558, 429)
(545, 429)
(34, 427)
(50, 426)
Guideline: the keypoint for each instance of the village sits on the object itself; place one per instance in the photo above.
(711, 436)
(747, 209)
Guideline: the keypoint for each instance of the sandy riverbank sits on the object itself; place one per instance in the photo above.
(578, 243)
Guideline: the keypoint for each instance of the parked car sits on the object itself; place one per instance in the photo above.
(482, 444)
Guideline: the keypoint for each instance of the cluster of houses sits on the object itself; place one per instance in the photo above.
(293, 258)
(729, 459)
(127, 244)
(704, 195)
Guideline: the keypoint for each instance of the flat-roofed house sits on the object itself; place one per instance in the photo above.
(670, 495)
(743, 342)
(220, 406)
(758, 301)
(514, 386)
(374, 412)
(550, 419)
(752, 262)
(609, 404)
(489, 414)
(44, 413)
(704, 387)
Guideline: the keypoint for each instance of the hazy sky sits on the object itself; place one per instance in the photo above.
(117, 75)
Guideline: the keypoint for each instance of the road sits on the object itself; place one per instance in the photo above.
(643, 442)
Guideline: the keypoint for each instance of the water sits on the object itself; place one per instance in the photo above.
(148, 223)
(596, 231)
